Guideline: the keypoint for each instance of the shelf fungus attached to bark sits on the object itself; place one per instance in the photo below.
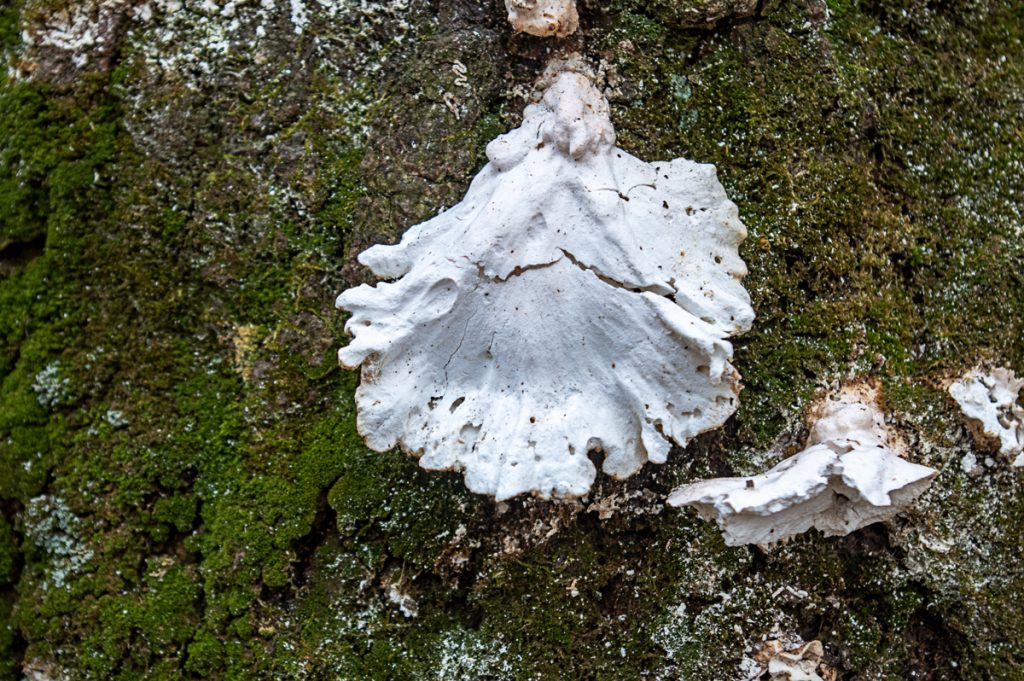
(989, 401)
(578, 300)
(849, 476)
(543, 17)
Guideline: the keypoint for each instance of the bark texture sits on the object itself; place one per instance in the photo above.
(184, 186)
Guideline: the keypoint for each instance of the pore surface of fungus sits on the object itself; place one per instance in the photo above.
(543, 17)
(847, 477)
(989, 401)
(577, 299)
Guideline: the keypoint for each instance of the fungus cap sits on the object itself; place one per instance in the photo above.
(847, 478)
(577, 299)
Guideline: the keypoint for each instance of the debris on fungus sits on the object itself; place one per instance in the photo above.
(849, 476)
(989, 401)
(577, 300)
(543, 17)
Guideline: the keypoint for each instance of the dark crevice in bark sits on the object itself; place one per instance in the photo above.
(14, 255)
(325, 522)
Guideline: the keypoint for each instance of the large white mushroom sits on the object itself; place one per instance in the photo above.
(577, 299)
(848, 477)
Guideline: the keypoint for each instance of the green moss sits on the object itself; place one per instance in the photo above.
(179, 511)
(52, 150)
(9, 557)
(150, 629)
(205, 655)
(8, 662)
(8, 553)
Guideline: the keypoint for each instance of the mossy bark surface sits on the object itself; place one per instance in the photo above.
(184, 186)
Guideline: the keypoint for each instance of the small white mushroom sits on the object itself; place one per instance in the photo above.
(847, 477)
(577, 299)
(989, 401)
(543, 17)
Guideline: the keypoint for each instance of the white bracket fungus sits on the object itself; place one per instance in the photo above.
(989, 400)
(543, 17)
(577, 299)
(847, 477)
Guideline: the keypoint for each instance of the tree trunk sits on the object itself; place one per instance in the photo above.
(184, 187)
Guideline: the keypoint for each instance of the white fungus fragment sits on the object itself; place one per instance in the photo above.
(969, 463)
(578, 299)
(798, 664)
(406, 603)
(543, 17)
(847, 477)
(989, 401)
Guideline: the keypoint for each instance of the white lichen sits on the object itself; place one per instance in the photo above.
(56, 531)
(543, 17)
(466, 655)
(49, 386)
(77, 28)
(299, 16)
(116, 418)
(578, 299)
(989, 401)
(849, 476)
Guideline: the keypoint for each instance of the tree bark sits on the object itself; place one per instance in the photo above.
(184, 186)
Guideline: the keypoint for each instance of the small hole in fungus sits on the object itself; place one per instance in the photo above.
(533, 419)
